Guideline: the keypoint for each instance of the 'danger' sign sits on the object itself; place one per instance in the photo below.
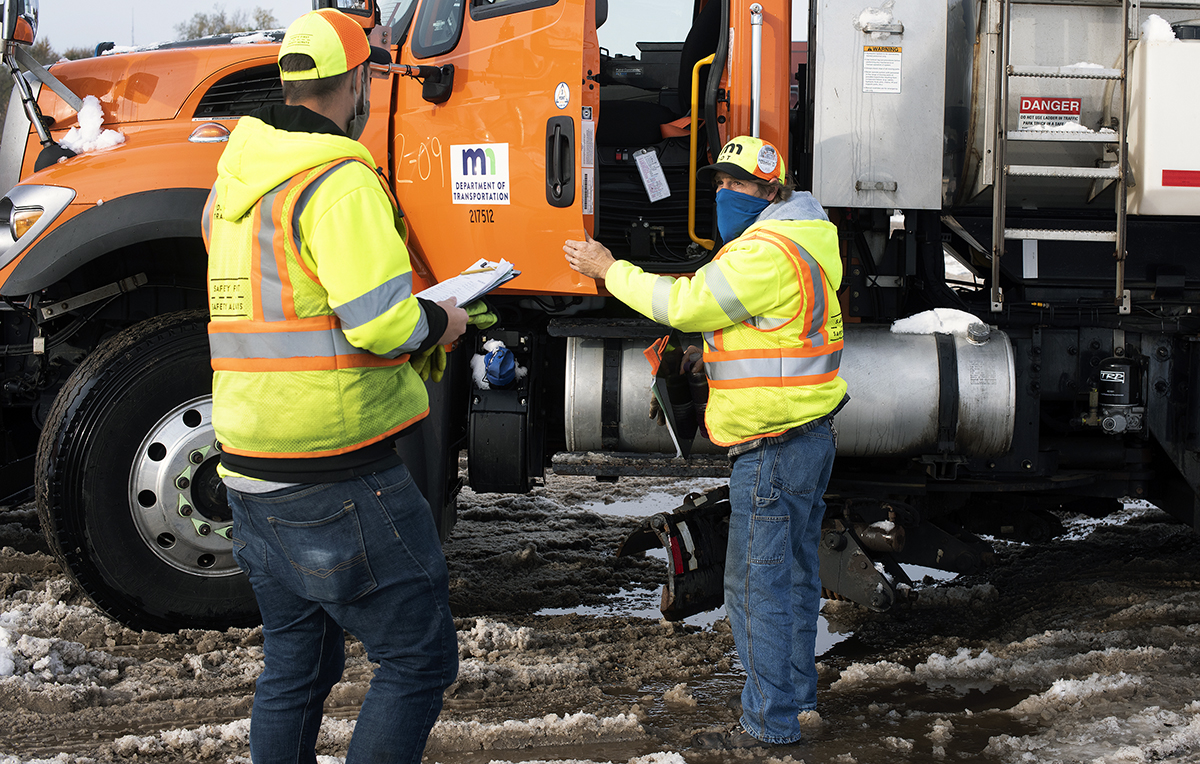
(1039, 111)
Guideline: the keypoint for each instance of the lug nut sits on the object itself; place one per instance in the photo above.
(182, 482)
(204, 530)
(185, 510)
(196, 457)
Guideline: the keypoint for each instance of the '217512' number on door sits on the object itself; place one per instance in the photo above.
(482, 216)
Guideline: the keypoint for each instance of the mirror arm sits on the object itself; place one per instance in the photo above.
(26, 59)
(28, 102)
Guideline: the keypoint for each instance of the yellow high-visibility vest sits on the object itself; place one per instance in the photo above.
(767, 376)
(768, 308)
(299, 373)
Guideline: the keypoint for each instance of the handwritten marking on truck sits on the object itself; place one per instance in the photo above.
(881, 68)
(427, 155)
(1047, 112)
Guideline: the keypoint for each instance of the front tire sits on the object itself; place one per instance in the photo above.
(127, 489)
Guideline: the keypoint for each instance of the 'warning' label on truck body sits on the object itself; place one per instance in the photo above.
(1048, 112)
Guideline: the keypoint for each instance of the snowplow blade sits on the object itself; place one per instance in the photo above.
(695, 536)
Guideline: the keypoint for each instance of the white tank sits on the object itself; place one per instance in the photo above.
(1163, 151)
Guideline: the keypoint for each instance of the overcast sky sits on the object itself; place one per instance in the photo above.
(84, 23)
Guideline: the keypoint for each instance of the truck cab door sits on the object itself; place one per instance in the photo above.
(503, 167)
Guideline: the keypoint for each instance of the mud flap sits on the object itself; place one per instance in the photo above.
(694, 536)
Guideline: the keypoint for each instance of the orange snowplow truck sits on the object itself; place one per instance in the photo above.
(1052, 362)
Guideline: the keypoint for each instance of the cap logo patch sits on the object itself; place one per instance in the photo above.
(768, 160)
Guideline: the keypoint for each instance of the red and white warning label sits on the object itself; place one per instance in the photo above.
(1041, 112)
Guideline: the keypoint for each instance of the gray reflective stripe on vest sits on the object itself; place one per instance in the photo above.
(376, 302)
(206, 217)
(271, 289)
(319, 343)
(773, 368)
(271, 286)
(306, 196)
(724, 294)
(660, 302)
(819, 316)
(768, 324)
(419, 333)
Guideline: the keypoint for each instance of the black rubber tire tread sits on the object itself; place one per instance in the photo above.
(84, 456)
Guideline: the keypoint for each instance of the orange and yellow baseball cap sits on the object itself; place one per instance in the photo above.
(336, 42)
(747, 158)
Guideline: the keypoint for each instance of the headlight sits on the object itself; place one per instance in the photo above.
(22, 220)
(25, 212)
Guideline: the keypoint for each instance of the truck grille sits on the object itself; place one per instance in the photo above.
(241, 93)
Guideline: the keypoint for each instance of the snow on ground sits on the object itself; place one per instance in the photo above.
(1082, 650)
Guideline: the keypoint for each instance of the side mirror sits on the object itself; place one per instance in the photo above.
(365, 12)
(436, 81)
(436, 87)
(20, 19)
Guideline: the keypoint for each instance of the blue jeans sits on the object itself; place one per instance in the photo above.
(360, 555)
(773, 580)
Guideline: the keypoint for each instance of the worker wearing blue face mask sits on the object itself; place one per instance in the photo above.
(768, 308)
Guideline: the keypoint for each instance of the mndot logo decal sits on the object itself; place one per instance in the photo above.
(479, 173)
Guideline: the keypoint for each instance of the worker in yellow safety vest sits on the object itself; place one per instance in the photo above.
(313, 335)
(768, 309)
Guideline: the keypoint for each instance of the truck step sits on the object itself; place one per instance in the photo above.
(1050, 234)
(1065, 72)
(1060, 136)
(1059, 171)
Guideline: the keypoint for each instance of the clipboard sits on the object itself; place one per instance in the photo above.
(670, 389)
(474, 282)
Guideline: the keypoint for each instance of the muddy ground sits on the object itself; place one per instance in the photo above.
(1084, 649)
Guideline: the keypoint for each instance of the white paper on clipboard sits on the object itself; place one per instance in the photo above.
(652, 174)
(474, 282)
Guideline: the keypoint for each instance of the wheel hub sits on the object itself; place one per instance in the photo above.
(176, 496)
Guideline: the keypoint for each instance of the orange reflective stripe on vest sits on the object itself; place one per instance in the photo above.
(274, 338)
(813, 359)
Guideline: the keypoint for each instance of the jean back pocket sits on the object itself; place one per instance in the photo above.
(328, 554)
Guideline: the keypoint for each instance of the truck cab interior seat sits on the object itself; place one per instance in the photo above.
(638, 96)
(632, 110)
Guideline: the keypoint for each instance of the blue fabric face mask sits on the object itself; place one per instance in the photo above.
(736, 211)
